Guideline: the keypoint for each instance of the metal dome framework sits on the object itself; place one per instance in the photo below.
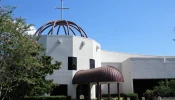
(68, 27)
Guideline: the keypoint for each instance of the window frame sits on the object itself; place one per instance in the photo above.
(91, 63)
(72, 65)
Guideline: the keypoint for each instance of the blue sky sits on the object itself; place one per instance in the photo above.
(131, 26)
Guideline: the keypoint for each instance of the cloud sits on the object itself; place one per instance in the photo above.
(31, 31)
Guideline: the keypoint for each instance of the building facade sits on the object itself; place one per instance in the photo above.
(81, 53)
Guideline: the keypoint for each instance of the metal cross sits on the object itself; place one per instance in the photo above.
(62, 8)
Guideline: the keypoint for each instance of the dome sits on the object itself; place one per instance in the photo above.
(68, 27)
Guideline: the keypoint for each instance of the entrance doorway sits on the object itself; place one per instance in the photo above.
(141, 85)
(83, 89)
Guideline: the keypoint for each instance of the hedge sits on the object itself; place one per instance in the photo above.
(112, 98)
(48, 98)
(132, 96)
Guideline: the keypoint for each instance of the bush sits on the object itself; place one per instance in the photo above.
(48, 98)
(132, 96)
(148, 93)
(123, 95)
(171, 85)
(112, 98)
(162, 91)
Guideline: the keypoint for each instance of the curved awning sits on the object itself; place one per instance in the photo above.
(101, 74)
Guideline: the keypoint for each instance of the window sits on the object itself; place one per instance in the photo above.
(72, 63)
(92, 63)
(60, 90)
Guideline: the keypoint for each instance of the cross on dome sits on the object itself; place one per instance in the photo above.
(53, 27)
(61, 8)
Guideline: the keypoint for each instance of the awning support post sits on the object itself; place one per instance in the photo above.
(108, 91)
(98, 91)
(89, 92)
(118, 91)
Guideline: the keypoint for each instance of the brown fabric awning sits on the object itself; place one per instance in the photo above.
(101, 74)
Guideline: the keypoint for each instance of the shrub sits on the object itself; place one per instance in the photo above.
(148, 93)
(171, 85)
(112, 98)
(162, 91)
(123, 95)
(48, 98)
(132, 96)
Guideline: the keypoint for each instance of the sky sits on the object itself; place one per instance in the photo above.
(129, 26)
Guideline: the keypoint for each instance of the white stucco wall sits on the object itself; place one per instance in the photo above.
(127, 85)
(110, 56)
(71, 46)
(43, 41)
(152, 68)
(97, 53)
(84, 53)
(60, 52)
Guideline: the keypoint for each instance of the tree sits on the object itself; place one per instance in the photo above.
(23, 66)
(162, 90)
(171, 85)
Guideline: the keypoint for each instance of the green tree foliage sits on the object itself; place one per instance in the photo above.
(23, 66)
(148, 93)
(171, 85)
(162, 90)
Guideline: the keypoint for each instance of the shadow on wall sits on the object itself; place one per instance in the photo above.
(81, 45)
(52, 48)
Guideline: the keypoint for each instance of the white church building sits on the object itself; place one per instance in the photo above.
(85, 63)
